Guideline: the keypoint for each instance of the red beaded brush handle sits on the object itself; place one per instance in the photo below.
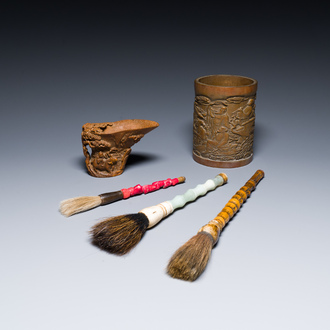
(138, 189)
(110, 197)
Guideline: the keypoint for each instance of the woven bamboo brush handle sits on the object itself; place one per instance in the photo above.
(160, 211)
(215, 226)
(110, 197)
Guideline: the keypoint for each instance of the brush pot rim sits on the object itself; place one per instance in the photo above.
(222, 85)
(224, 80)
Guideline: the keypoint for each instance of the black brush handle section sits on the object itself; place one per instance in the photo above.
(110, 197)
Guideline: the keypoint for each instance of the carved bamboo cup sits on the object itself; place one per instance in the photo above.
(111, 143)
(224, 120)
(215, 226)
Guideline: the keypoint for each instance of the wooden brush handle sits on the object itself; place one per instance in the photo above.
(160, 211)
(215, 226)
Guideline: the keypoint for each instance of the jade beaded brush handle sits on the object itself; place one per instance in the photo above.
(162, 210)
(190, 260)
(121, 233)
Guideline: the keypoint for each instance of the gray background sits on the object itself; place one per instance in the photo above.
(63, 67)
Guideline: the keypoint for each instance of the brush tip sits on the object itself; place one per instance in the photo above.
(120, 234)
(75, 205)
(190, 260)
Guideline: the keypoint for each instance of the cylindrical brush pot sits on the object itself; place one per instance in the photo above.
(224, 120)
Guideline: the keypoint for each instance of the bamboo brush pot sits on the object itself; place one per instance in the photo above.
(224, 120)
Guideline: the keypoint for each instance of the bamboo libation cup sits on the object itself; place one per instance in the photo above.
(111, 143)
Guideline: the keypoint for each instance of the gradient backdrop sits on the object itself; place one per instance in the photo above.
(62, 67)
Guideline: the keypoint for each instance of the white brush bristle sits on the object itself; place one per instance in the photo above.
(75, 205)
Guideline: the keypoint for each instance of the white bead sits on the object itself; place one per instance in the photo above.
(157, 212)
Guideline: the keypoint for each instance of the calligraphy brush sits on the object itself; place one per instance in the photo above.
(120, 234)
(75, 205)
(190, 260)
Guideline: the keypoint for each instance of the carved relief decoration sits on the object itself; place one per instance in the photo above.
(224, 128)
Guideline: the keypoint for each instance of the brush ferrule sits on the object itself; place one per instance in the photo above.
(110, 197)
(213, 228)
(157, 212)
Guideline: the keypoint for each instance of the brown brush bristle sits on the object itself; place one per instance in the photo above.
(190, 260)
(75, 205)
(120, 234)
